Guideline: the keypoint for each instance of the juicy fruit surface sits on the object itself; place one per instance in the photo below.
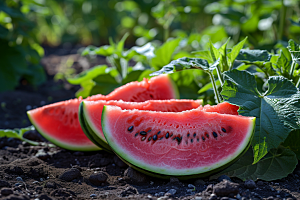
(159, 87)
(59, 122)
(185, 143)
(92, 110)
(222, 108)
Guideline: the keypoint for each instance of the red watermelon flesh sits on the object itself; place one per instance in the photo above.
(222, 108)
(92, 110)
(157, 88)
(58, 122)
(176, 143)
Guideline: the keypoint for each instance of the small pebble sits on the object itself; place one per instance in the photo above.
(19, 178)
(238, 196)
(213, 196)
(222, 177)
(93, 195)
(172, 191)
(173, 180)
(191, 186)
(6, 191)
(149, 196)
(250, 184)
(198, 198)
(260, 183)
(70, 174)
(160, 194)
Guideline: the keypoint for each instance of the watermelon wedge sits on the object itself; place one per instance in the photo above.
(58, 122)
(181, 144)
(90, 114)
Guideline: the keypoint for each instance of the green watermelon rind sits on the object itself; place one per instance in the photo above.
(196, 174)
(83, 119)
(58, 143)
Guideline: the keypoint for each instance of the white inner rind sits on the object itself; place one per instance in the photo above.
(170, 170)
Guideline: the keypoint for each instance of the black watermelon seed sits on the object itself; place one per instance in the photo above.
(224, 130)
(149, 138)
(207, 135)
(171, 135)
(154, 137)
(178, 139)
(203, 138)
(197, 139)
(143, 133)
(192, 140)
(158, 132)
(188, 135)
(161, 138)
(215, 134)
(194, 135)
(143, 138)
(167, 135)
(149, 131)
(136, 134)
(130, 129)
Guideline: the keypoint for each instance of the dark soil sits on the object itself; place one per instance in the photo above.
(46, 172)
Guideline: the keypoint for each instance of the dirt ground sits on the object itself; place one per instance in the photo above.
(46, 172)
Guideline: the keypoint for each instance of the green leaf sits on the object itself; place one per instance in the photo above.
(236, 50)
(120, 45)
(181, 64)
(9, 133)
(277, 164)
(250, 56)
(87, 75)
(105, 50)
(206, 55)
(214, 52)
(294, 48)
(292, 142)
(208, 86)
(283, 65)
(276, 111)
(223, 57)
(163, 55)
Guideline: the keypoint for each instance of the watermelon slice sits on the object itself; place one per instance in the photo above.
(58, 122)
(90, 114)
(179, 144)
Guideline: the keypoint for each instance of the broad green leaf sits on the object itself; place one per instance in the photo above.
(18, 134)
(146, 50)
(277, 164)
(133, 75)
(250, 56)
(104, 84)
(181, 64)
(85, 89)
(292, 142)
(88, 74)
(275, 111)
(163, 55)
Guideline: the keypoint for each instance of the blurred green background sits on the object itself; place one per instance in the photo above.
(27, 26)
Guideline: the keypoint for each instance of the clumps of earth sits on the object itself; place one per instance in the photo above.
(45, 172)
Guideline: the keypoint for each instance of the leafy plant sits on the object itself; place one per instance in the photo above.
(270, 93)
(20, 53)
(18, 134)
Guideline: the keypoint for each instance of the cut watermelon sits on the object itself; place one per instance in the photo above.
(59, 122)
(178, 144)
(90, 114)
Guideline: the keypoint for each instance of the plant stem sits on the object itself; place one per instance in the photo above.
(219, 75)
(292, 68)
(298, 83)
(217, 95)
